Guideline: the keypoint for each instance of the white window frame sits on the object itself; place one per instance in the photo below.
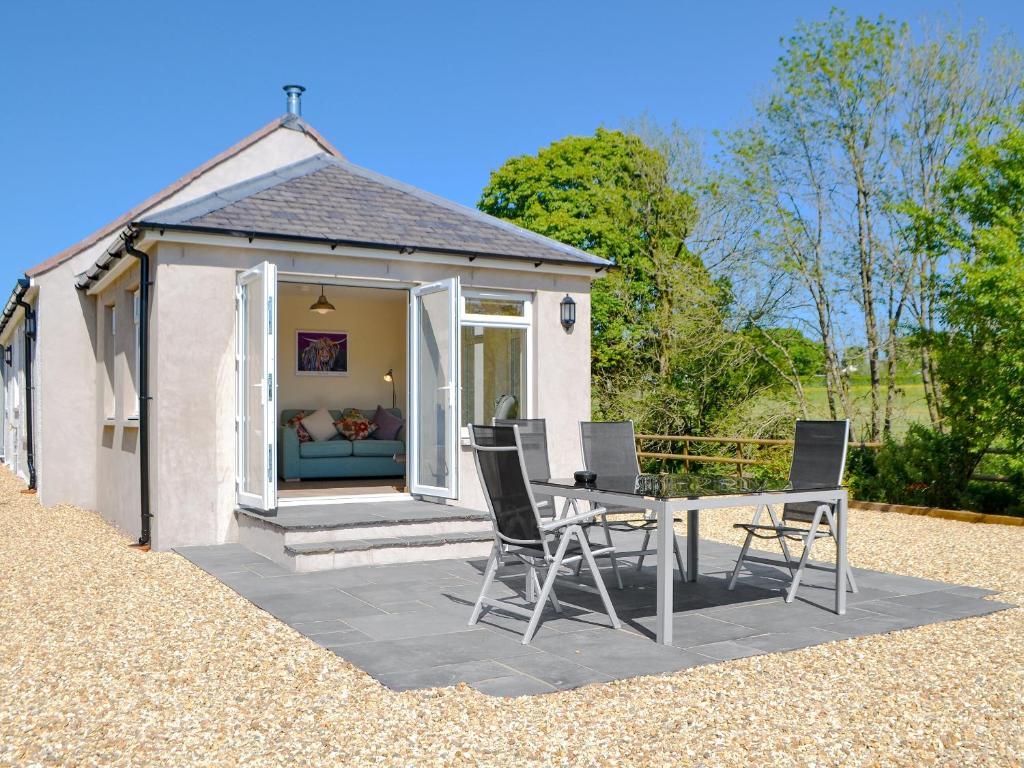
(501, 321)
(110, 347)
(133, 409)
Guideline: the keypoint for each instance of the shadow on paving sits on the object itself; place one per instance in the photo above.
(406, 625)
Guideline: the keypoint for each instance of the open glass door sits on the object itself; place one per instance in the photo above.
(256, 338)
(434, 379)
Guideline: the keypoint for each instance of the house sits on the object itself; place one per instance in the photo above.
(150, 370)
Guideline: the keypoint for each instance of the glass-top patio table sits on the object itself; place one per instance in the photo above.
(667, 494)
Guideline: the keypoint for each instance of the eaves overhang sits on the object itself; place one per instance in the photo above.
(397, 248)
(22, 289)
(115, 261)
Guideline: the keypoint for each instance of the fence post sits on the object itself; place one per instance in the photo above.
(686, 452)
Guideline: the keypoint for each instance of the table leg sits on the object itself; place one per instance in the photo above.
(841, 564)
(666, 537)
(692, 539)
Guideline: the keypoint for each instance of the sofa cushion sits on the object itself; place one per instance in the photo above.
(388, 424)
(320, 425)
(354, 426)
(326, 449)
(377, 447)
(295, 422)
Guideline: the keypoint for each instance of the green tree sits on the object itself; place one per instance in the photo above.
(842, 77)
(981, 348)
(790, 344)
(952, 88)
(864, 123)
(661, 348)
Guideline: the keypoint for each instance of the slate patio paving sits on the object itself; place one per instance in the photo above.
(406, 625)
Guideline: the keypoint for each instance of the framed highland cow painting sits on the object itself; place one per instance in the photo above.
(321, 353)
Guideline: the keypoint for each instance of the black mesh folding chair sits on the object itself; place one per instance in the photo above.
(609, 449)
(819, 458)
(554, 546)
(533, 433)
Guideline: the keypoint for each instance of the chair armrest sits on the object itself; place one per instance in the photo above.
(562, 522)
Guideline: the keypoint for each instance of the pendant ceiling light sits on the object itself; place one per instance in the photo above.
(322, 306)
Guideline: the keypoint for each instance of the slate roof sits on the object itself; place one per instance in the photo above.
(289, 121)
(330, 199)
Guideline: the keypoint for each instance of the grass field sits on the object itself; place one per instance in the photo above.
(910, 407)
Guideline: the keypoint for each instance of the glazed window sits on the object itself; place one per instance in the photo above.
(495, 350)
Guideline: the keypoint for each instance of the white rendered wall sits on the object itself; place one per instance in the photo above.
(73, 446)
(194, 381)
(67, 431)
(15, 415)
(117, 450)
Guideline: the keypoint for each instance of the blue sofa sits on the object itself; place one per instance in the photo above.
(337, 458)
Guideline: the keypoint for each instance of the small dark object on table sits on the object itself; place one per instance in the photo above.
(583, 477)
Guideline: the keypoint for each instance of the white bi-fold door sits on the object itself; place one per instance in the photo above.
(255, 365)
(433, 451)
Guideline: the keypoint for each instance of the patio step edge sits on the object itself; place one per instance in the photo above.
(453, 516)
(351, 553)
(355, 545)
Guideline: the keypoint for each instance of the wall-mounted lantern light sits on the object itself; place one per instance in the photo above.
(568, 312)
(8, 355)
(30, 324)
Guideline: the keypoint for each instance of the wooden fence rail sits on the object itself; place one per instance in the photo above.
(741, 459)
(688, 457)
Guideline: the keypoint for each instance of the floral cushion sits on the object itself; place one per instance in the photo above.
(353, 425)
(295, 422)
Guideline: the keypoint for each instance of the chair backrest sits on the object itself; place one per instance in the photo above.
(819, 458)
(609, 448)
(533, 436)
(501, 466)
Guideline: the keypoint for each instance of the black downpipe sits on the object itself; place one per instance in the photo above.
(30, 335)
(144, 398)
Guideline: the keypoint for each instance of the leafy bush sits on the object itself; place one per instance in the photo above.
(932, 469)
(928, 468)
(995, 498)
(776, 464)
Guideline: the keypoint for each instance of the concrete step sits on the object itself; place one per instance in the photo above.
(383, 551)
(271, 535)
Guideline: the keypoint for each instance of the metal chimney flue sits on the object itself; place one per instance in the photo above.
(294, 93)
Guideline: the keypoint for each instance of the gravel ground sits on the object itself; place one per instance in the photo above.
(111, 656)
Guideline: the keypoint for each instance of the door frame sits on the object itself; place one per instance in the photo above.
(412, 289)
(265, 273)
(312, 278)
(453, 456)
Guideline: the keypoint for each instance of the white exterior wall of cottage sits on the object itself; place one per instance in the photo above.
(89, 457)
(193, 372)
(14, 397)
(115, 405)
(66, 428)
(71, 465)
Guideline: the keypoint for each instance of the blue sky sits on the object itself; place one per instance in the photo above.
(108, 102)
